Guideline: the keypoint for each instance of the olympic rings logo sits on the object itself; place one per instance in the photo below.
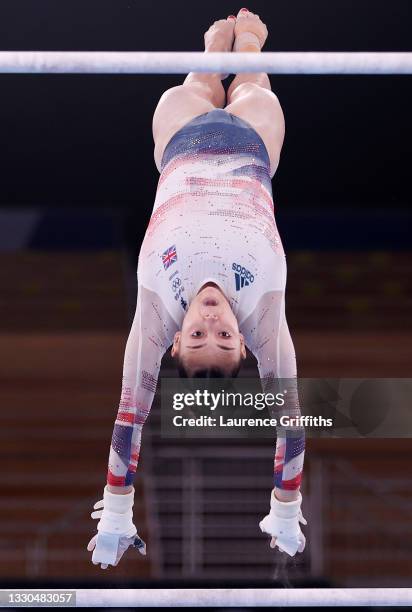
(176, 284)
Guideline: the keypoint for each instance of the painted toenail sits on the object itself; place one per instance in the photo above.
(244, 10)
(232, 17)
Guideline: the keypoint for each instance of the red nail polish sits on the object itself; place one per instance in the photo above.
(244, 10)
(232, 17)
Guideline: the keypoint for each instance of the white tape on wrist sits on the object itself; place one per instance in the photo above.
(118, 502)
(117, 515)
(285, 509)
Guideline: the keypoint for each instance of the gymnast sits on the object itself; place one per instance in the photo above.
(211, 275)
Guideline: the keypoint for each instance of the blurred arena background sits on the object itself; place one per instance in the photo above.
(77, 185)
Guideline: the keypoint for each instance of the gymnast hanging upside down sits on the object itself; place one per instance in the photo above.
(211, 274)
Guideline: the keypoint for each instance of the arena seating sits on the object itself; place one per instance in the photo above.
(63, 329)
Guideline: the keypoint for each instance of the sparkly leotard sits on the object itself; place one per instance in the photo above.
(212, 220)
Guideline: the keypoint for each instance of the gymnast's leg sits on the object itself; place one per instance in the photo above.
(199, 93)
(250, 96)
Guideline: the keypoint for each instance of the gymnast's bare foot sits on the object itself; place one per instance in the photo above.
(220, 35)
(250, 32)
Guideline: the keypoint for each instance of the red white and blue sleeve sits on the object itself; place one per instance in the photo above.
(149, 338)
(272, 345)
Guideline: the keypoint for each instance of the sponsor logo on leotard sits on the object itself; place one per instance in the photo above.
(148, 381)
(169, 257)
(243, 277)
(178, 289)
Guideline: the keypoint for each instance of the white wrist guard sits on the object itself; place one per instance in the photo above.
(117, 515)
(282, 522)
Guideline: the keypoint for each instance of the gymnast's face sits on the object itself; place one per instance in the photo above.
(210, 334)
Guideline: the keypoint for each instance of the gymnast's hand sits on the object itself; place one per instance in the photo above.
(115, 529)
(282, 523)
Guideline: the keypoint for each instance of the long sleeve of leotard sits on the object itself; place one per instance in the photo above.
(268, 337)
(149, 338)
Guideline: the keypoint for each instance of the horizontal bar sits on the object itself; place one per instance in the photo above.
(171, 597)
(244, 597)
(143, 62)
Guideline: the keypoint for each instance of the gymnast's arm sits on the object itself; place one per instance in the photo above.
(267, 335)
(290, 443)
(147, 342)
(273, 348)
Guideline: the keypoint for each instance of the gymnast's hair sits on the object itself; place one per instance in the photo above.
(206, 372)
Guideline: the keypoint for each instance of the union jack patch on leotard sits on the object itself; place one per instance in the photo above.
(169, 257)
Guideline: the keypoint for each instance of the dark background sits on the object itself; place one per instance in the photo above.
(76, 140)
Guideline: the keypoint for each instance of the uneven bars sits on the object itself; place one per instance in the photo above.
(306, 597)
(143, 62)
(196, 597)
